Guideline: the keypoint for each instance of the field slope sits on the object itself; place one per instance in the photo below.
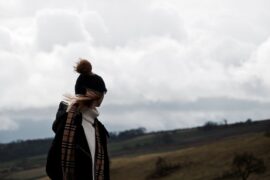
(201, 162)
(204, 162)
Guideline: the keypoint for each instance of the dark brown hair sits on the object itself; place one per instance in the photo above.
(83, 67)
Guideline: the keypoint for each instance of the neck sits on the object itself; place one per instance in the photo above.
(90, 112)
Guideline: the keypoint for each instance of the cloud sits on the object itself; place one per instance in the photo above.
(166, 64)
(152, 115)
(137, 20)
(254, 76)
(95, 25)
(58, 27)
(259, 61)
(5, 38)
(28, 123)
(164, 69)
(169, 115)
(7, 124)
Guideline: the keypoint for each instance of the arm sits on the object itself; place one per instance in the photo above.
(61, 117)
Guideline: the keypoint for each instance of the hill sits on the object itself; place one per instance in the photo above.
(182, 138)
(204, 162)
(131, 142)
(201, 149)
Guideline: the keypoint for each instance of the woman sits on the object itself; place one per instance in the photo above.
(79, 148)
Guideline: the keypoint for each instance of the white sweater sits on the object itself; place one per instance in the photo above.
(88, 117)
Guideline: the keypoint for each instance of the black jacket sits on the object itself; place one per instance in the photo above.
(83, 158)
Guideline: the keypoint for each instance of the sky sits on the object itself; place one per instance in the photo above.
(166, 64)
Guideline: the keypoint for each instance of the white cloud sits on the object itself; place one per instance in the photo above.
(5, 38)
(96, 27)
(7, 124)
(59, 27)
(152, 51)
(138, 20)
(255, 75)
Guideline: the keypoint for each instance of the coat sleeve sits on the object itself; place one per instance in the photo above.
(61, 116)
(53, 164)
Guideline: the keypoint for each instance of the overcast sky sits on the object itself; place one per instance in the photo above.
(167, 64)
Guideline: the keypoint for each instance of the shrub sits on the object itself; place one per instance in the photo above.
(243, 165)
(163, 168)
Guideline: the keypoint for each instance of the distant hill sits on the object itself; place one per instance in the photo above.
(136, 141)
(182, 138)
(209, 160)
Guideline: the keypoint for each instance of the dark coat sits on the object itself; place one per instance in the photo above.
(83, 158)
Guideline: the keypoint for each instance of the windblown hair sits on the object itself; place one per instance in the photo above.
(83, 67)
(83, 100)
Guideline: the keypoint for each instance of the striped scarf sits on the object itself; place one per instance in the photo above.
(68, 148)
(99, 156)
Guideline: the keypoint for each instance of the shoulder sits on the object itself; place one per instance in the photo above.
(102, 128)
(60, 117)
(62, 107)
(62, 114)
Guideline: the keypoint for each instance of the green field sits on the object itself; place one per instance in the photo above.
(200, 162)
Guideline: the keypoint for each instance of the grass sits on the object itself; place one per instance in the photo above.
(201, 162)
(30, 174)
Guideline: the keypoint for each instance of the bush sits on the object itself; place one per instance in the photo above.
(163, 168)
(243, 165)
(210, 125)
(246, 163)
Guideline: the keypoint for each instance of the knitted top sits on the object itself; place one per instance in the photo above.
(88, 116)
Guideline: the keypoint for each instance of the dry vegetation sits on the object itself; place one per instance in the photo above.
(205, 162)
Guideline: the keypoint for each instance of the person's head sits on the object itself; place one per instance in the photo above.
(89, 84)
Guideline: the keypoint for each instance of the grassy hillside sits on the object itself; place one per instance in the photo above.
(204, 162)
(131, 144)
(182, 138)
